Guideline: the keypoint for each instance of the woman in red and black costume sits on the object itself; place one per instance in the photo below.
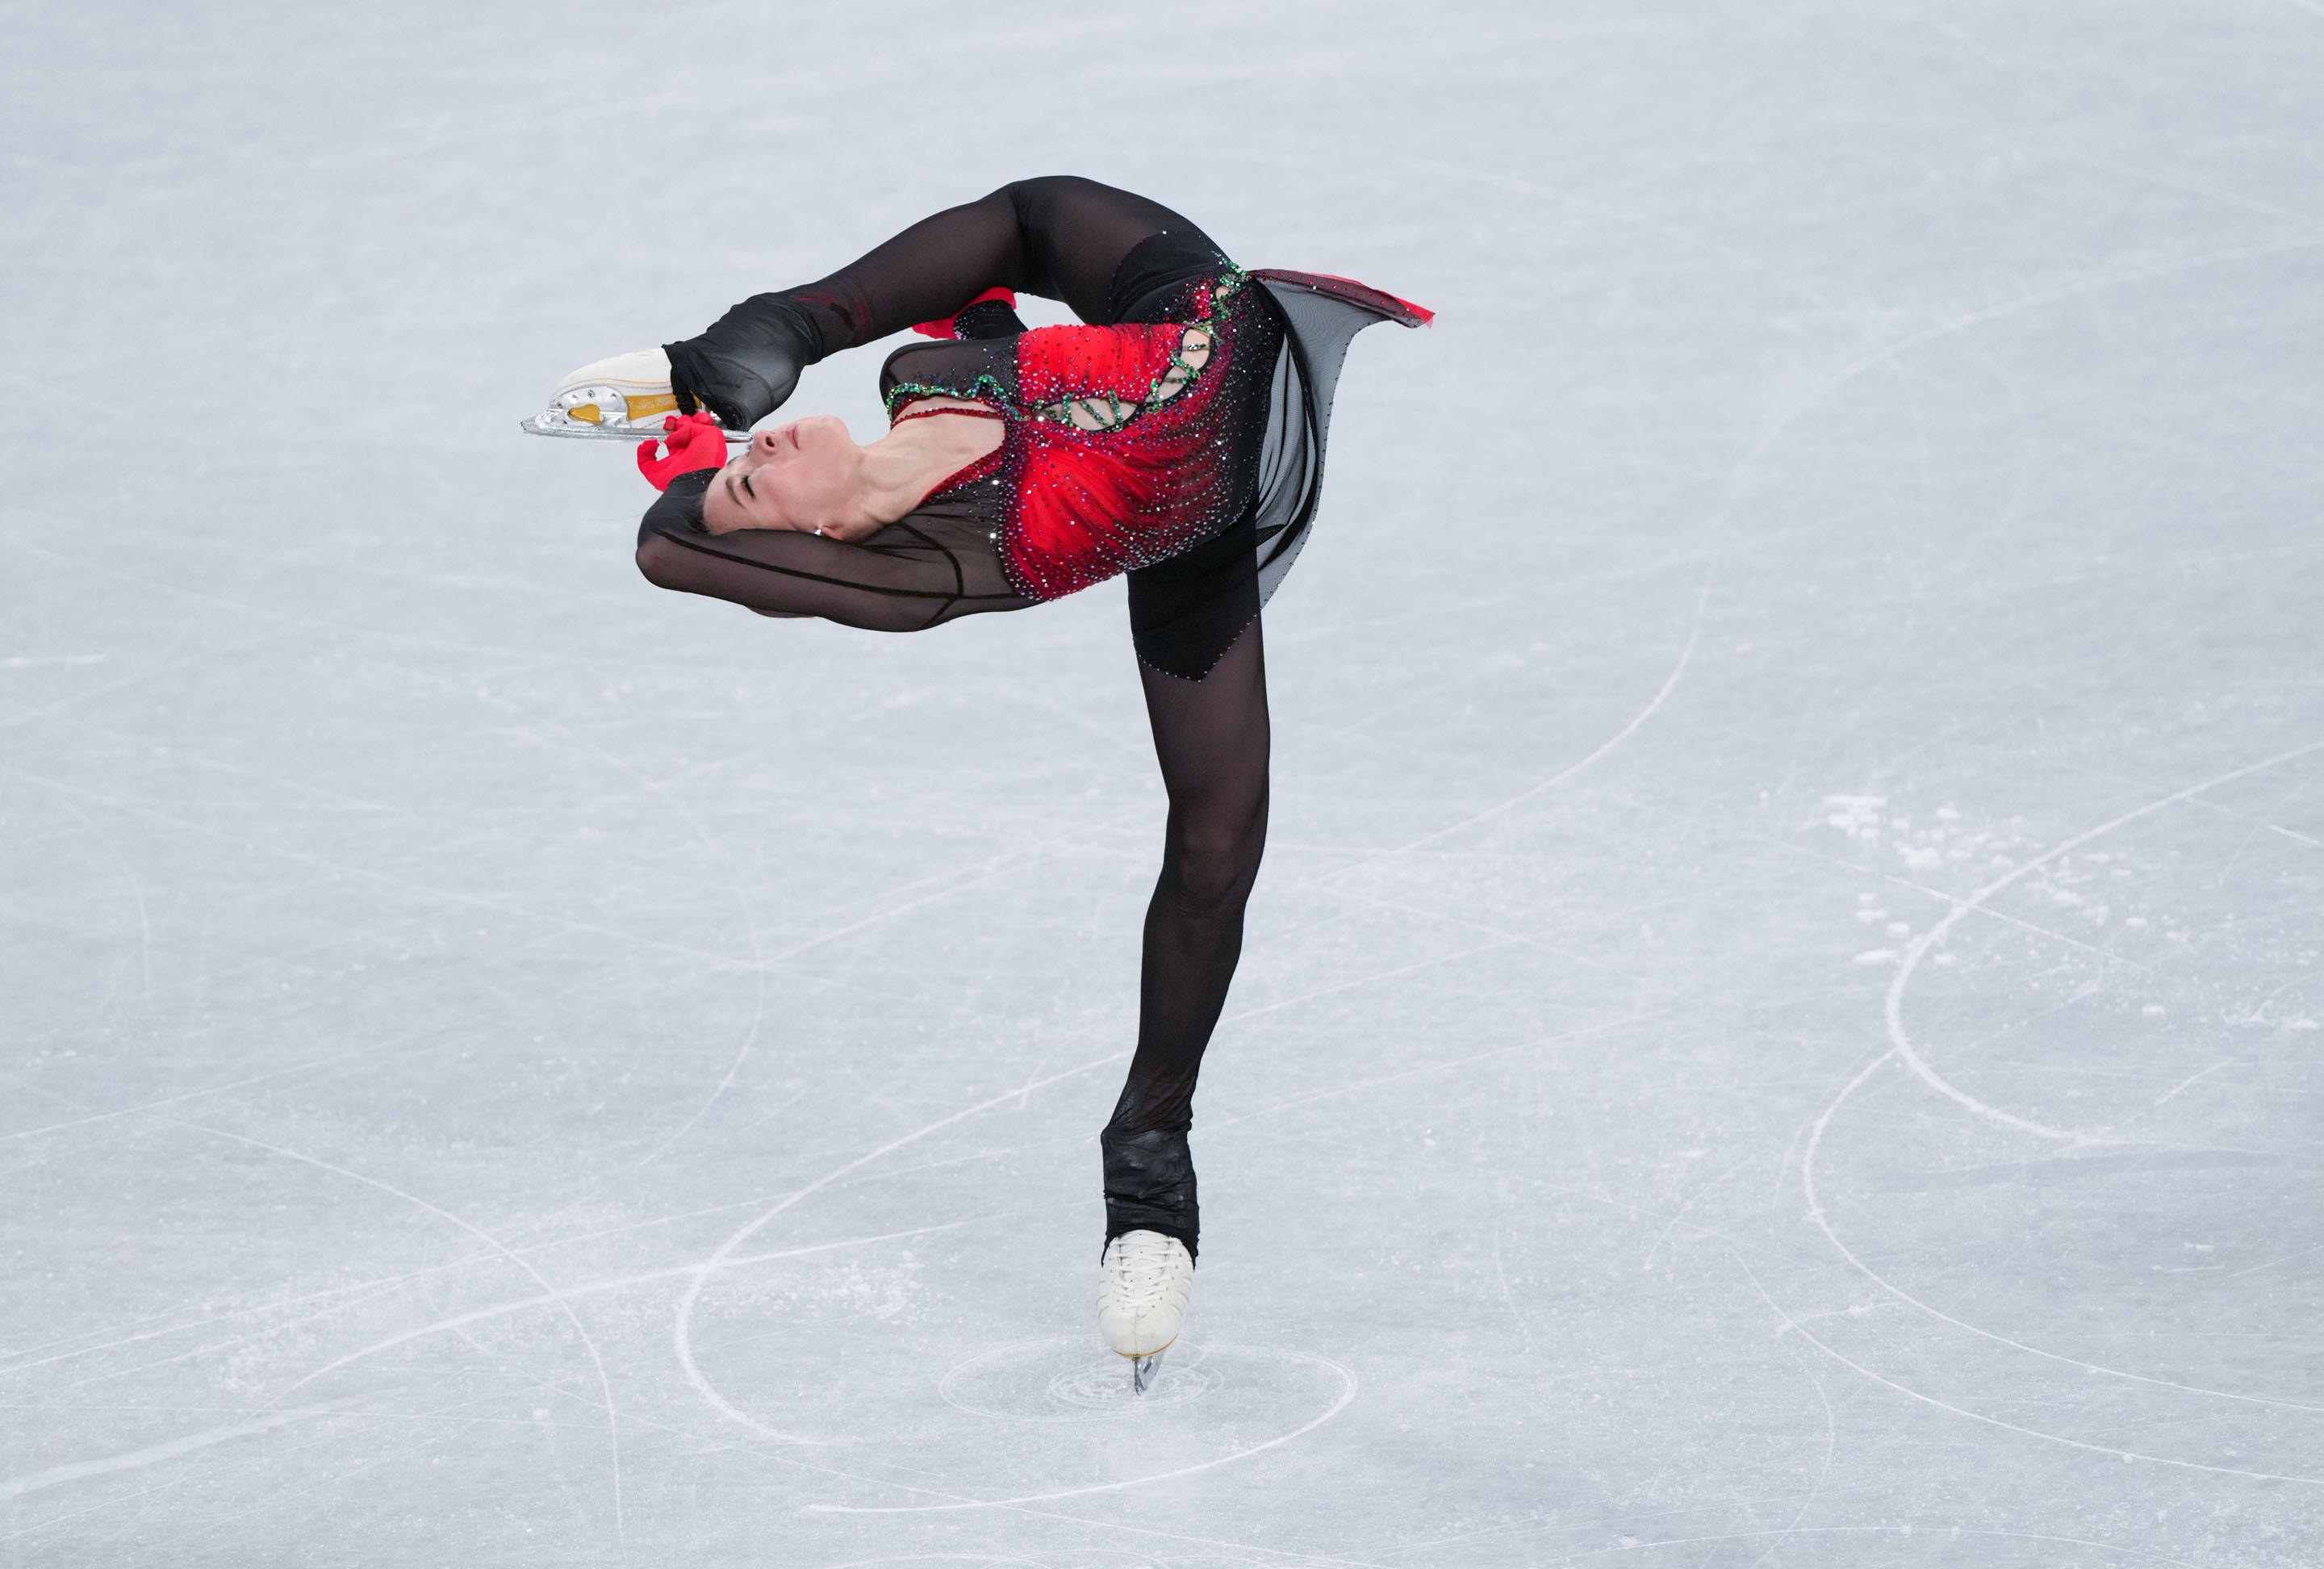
(1177, 437)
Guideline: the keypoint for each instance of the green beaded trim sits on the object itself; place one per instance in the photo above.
(1118, 413)
(1231, 280)
(984, 389)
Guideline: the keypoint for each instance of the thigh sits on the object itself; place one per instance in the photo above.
(1186, 613)
(1212, 736)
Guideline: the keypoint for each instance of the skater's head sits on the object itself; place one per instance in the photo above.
(806, 474)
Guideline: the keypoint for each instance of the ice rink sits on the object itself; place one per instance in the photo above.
(1780, 1024)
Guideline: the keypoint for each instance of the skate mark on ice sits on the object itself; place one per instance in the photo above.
(1902, 1050)
(137, 1459)
(613, 1284)
(1879, 356)
(1067, 1379)
(136, 892)
(431, 893)
(1670, 684)
(720, 859)
(1376, 975)
(721, 1256)
(2113, 1451)
(604, 1385)
(1347, 1393)
(1579, 1032)
(1900, 1040)
(321, 1062)
(1823, 1472)
(1823, 1223)
(2055, 294)
(356, 1293)
(963, 879)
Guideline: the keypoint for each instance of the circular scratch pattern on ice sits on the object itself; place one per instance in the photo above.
(1070, 1404)
(1072, 1381)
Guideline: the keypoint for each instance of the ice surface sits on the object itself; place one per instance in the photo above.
(1780, 1024)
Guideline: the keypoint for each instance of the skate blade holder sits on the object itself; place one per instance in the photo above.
(610, 414)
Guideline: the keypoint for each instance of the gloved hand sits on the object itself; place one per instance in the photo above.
(694, 442)
(744, 366)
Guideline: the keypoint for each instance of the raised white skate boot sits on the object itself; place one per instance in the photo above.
(623, 398)
(1141, 1298)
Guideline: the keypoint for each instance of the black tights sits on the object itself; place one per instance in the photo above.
(1211, 738)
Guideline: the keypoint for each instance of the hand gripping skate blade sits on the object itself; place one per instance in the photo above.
(557, 422)
(1144, 1370)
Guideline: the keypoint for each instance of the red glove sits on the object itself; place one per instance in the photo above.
(945, 328)
(694, 441)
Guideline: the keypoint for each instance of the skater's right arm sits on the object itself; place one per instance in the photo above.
(1059, 236)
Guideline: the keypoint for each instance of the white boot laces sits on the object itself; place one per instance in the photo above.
(1142, 1266)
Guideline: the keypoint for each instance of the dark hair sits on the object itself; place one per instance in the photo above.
(679, 509)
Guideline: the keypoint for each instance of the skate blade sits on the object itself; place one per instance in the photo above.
(1144, 1370)
(557, 422)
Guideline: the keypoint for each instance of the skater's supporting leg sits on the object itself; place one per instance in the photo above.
(1211, 737)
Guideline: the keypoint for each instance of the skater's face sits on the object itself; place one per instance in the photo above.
(800, 476)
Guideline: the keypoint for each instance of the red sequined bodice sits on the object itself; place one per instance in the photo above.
(1125, 445)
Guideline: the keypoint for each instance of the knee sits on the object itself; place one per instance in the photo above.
(1213, 858)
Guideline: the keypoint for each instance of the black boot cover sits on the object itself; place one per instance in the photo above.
(1149, 1184)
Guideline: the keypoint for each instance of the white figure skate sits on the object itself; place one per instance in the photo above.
(622, 399)
(1141, 1298)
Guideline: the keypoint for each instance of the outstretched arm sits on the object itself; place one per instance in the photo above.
(1060, 236)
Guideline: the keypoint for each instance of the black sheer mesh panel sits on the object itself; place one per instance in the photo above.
(964, 367)
(1323, 320)
(937, 565)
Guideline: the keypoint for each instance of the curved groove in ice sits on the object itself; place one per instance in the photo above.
(598, 1288)
(2118, 1452)
(677, 804)
(604, 1385)
(1654, 705)
(722, 1256)
(17, 1487)
(1906, 1532)
(1347, 1387)
(1901, 1042)
(1823, 1472)
(1901, 1049)
(1884, 354)
(1823, 1224)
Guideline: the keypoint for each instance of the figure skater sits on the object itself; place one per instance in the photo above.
(1177, 437)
